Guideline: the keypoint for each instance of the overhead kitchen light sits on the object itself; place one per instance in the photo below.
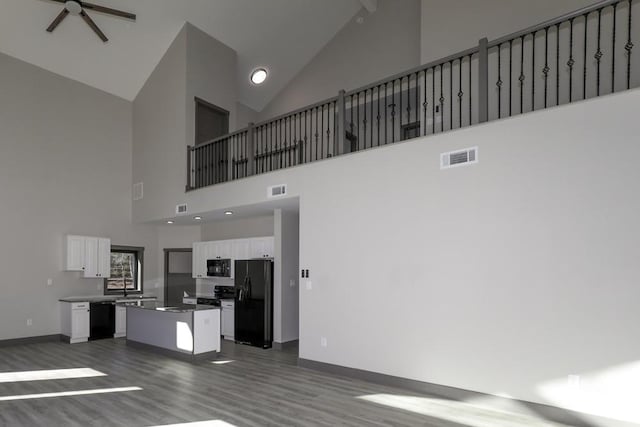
(228, 213)
(197, 218)
(169, 222)
(258, 76)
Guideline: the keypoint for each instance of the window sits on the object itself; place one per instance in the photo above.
(126, 270)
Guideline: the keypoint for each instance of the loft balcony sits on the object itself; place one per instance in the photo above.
(578, 56)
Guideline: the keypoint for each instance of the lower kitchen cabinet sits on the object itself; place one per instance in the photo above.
(121, 321)
(228, 319)
(75, 321)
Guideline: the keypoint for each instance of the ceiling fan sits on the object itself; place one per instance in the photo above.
(77, 7)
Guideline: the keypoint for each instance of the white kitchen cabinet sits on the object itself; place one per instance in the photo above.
(221, 249)
(75, 321)
(75, 253)
(199, 259)
(228, 319)
(97, 257)
(121, 321)
(91, 255)
(262, 247)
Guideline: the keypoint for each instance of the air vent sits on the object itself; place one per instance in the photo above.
(181, 209)
(277, 191)
(138, 191)
(457, 158)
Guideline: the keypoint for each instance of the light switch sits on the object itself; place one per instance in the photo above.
(49, 282)
(309, 286)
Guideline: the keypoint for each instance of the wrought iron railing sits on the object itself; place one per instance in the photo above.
(584, 54)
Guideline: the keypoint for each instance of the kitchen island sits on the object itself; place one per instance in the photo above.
(186, 331)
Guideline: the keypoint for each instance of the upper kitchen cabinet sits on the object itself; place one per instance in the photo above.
(221, 249)
(262, 247)
(97, 256)
(199, 259)
(75, 253)
(91, 255)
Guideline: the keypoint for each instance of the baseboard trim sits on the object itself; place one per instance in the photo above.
(547, 412)
(284, 345)
(30, 340)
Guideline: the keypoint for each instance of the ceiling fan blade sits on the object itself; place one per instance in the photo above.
(102, 9)
(60, 1)
(93, 26)
(58, 20)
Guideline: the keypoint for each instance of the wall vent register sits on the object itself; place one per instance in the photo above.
(277, 191)
(465, 157)
(181, 209)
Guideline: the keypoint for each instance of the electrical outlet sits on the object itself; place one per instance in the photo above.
(309, 285)
(29, 322)
(323, 341)
(49, 282)
(292, 283)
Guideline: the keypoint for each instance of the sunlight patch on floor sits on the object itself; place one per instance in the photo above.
(611, 393)
(222, 362)
(458, 412)
(51, 374)
(68, 393)
(210, 423)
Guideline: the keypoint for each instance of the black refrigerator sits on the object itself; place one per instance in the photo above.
(254, 302)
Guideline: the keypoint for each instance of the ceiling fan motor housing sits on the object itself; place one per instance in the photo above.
(74, 7)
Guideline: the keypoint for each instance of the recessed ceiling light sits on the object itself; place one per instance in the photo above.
(228, 213)
(169, 222)
(197, 218)
(258, 76)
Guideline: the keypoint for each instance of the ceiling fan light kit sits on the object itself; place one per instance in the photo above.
(79, 8)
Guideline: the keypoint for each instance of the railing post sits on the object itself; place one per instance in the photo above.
(342, 147)
(483, 81)
(251, 150)
(189, 179)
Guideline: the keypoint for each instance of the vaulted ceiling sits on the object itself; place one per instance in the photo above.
(282, 35)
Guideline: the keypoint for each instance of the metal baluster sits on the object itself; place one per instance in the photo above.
(425, 103)
(470, 92)
(546, 68)
(306, 139)
(450, 95)
(510, 78)
(316, 134)
(571, 61)
(499, 82)
(364, 120)
(393, 111)
(460, 93)
(328, 130)
(378, 116)
(533, 71)
(598, 54)
(386, 121)
(613, 50)
(584, 80)
(408, 101)
(417, 120)
(400, 112)
(629, 47)
(442, 98)
(557, 64)
(521, 78)
(433, 107)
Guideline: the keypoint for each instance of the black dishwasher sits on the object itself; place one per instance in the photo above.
(102, 320)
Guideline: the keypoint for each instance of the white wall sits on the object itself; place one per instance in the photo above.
(286, 273)
(241, 228)
(164, 115)
(386, 43)
(504, 277)
(462, 23)
(245, 115)
(65, 168)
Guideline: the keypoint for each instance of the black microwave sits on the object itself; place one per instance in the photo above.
(219, 268)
